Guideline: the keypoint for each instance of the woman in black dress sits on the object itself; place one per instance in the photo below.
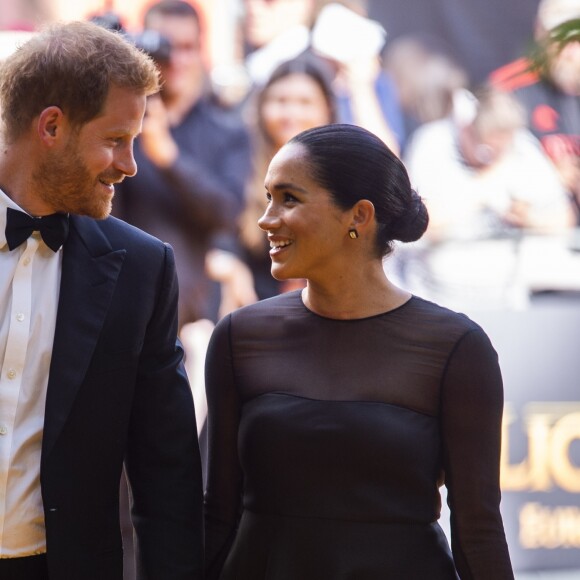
(336, 412)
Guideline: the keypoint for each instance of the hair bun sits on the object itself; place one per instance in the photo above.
(413, 223)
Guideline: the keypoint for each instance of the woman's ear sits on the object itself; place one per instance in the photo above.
(50, 124)
(363, 214)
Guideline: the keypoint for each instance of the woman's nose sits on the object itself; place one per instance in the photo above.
(269, 219)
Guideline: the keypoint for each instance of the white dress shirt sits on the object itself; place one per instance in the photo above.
(29, 290)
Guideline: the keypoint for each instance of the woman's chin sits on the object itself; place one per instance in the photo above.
(280, 274)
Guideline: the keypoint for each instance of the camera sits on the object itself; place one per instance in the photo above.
(151, 42)
(108, 20)
(154, 44)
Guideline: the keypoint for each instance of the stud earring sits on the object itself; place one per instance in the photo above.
(353, 234)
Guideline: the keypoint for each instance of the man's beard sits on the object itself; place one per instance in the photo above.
(64, 182)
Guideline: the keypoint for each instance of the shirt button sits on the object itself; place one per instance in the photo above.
(26, 261)
(11, 374)
(3, 429)
(20, 317)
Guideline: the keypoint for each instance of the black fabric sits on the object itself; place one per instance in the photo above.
(553, 117)
(117, 396)
(28, 568)
(328, 440)
(19, 226)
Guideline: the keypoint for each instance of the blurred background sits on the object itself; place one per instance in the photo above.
(483, 36)
(481, 100)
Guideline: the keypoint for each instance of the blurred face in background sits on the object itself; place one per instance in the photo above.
(565, 68)
(484, 149)
(293, 104)
(489, 136)
(266, 19)
(184, 73)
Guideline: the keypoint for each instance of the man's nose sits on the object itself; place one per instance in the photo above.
(125, 162)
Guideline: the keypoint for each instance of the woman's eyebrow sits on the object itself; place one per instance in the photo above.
(278, 186)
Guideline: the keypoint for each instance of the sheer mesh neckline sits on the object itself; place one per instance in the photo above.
(363, 318)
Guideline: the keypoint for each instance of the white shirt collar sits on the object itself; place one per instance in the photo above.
(5, 202)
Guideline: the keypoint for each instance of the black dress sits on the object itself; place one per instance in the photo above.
(329, 439)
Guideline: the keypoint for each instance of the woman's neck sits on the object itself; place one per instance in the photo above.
(350, 299)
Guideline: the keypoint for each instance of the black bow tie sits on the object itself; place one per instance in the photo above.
(19, 225)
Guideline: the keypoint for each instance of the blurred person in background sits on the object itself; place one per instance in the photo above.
(352, 44)
(194, 160)
(486, 181)
(426, 80)
(344, 38)
(547, 83)
(274, 31)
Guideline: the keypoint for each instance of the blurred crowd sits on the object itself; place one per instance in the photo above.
(497, 164)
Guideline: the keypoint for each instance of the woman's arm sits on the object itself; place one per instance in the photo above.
(471, 415)
(224, 480)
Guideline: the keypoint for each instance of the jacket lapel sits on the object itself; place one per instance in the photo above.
(90, 269)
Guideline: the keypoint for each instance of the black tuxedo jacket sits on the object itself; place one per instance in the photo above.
(117, 393)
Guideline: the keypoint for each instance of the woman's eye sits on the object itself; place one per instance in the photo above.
(289, 198)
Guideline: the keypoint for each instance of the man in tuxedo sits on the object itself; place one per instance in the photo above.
(91, 374)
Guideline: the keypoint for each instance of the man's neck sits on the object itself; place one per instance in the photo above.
(17, 183)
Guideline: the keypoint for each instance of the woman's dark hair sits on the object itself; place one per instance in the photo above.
(353, 164)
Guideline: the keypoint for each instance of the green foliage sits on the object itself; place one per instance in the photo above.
(553, 43)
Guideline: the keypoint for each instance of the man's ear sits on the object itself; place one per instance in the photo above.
(50, 124)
